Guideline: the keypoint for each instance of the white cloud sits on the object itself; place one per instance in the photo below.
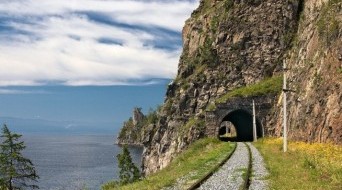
(12, 91)
(169, 14)
(56, 41)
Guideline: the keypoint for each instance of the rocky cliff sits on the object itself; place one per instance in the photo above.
(134, 130)
(315, 73)
(228, 44)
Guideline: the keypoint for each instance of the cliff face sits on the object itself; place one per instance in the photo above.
(226, 44)
(136, 128)
(229, 44)
(315, 73)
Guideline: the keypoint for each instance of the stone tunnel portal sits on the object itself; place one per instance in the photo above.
(242, 122)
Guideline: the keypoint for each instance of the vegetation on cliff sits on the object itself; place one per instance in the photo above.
(192, 124)
(136, 127)
(267, 86)
(229, 45)
(328, 24)
(186, 168)
(314, 62)
(304, 166)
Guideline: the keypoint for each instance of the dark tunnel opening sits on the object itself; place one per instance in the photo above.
(242, 122)
(227, 131)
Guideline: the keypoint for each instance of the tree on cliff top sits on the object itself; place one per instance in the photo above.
(15, 170)
(128, 171)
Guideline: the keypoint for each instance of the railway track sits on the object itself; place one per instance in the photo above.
(243, 170)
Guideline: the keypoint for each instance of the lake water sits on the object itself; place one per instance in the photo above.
(74, 162)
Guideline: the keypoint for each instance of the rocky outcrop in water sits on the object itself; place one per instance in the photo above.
(137, 128)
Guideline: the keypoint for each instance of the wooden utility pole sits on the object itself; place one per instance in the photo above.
(254, 124)
(284, 109)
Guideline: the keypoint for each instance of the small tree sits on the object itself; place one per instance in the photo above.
(15, 170)
(128, 171)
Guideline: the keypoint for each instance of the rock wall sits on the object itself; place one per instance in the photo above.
(138, 116)
(315, 63)
(226, 44)
(229, 44)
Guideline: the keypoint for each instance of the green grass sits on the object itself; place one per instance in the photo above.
(191, 165)
(339, 70)
(304, 166)
(268, 86)
(211, 107)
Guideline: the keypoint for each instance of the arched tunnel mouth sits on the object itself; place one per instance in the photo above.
(238, 126)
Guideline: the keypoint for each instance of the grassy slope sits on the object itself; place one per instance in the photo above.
(268, 86)
(304, 166)
(190, 166)
(271, 85)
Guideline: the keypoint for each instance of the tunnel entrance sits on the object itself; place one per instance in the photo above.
(227, 131)
(238, 126)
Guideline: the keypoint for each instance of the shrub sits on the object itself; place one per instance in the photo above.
(340, 70)
(151, 117)
(15, 169)
(128, 171)
(211, 107)
(228, 4)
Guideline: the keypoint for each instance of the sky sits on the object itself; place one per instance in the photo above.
(77, 59)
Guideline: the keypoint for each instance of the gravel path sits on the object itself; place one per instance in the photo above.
(259, 172)
(229, 176)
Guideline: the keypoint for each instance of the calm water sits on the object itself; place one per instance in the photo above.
(71, 162)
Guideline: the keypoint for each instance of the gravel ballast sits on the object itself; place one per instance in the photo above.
(230, 175)
(259, 171)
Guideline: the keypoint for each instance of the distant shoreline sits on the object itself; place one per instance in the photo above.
(129, 144)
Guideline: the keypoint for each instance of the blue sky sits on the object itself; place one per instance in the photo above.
(60, 58)
(102, 107)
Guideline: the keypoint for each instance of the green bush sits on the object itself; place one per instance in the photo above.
(228, 4)
(211, 107)
(168, 105)
(208, 55)
(128, 171)
(151, 117)
(128, 125)
(334, 29)
(340, 70)
(214, 24)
